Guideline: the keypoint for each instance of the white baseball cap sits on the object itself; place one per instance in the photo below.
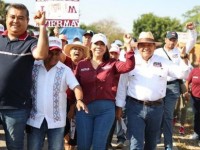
(99, 37)
(55, 43)
(114, 48)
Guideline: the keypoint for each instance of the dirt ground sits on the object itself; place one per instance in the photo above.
(183, 142)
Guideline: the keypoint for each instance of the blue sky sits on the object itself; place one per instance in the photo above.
(124, 11)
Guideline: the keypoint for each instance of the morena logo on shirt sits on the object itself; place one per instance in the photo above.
(196, 77)
(157, 64)
(175, 56)
(107, 67)
(85, 69)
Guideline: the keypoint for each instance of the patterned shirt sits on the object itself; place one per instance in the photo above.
(49, 94)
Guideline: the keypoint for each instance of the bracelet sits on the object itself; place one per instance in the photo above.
(79, 100)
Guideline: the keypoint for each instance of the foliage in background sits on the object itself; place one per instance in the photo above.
(2, 12)
(193, 15)
(157, 25)
(146, 22)
(108, 27)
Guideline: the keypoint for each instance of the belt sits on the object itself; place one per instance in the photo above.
(172, 82)
(146, 102)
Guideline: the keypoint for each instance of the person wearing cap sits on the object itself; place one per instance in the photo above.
(95, 75)
(63, 39)
(51, 79)
(18, 52)
(170, 52)
(114, 52)
(87, 37)
(142, 90)
(75, 52)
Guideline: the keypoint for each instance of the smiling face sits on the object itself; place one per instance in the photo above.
(98, 49)
(16, 22)
(146, 50)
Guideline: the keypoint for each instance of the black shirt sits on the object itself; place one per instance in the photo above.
(16, 63)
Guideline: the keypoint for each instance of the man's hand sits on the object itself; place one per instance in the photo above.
(182, 50)
(80, 105)
(40, 18)
(190, 25)
(118, 112)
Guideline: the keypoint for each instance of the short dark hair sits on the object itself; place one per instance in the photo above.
(17, 6)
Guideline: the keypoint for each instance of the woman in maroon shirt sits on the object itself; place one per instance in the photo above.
(77, 52)
(95, 76)
(193, 87)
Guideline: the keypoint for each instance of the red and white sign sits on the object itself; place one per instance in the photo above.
(61, 13)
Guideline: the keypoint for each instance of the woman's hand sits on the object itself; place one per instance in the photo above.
(80, 105)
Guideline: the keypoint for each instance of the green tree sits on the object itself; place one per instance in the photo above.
(108, 27)
(2, 12)
(193, 15)
(157, 25)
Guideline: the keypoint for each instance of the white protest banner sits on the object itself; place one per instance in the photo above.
(61, 13)
(182, 37)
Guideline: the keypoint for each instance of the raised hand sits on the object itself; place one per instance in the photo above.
(40, 18)
(190, 25)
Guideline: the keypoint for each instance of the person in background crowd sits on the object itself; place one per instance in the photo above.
(76, 52)
(1, 29)
(87, 37)
(193, 88)
(121, 136)
(95, 75)
(180, 111)
(169, 51)
(142, 91)
(18, 51)
(76, 39)
(63, 39)
(51, 79)
(64, 42)
(56, 31)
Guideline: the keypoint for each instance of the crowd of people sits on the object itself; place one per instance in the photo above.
(76, 94)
